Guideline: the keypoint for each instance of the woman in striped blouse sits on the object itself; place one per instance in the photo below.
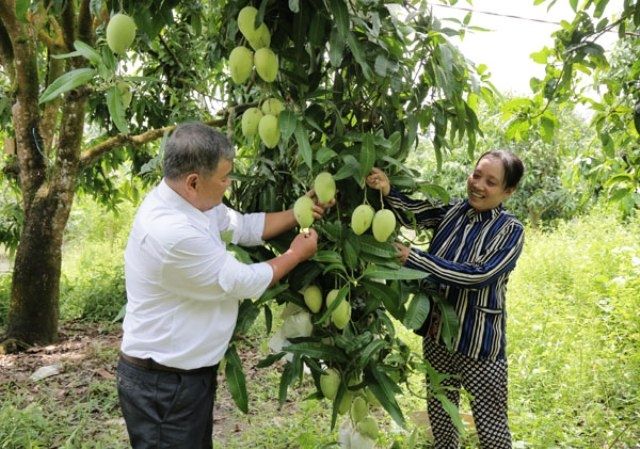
(475, 246)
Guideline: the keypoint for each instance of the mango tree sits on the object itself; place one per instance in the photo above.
(356, 84)
(332, 87)
(579, 70)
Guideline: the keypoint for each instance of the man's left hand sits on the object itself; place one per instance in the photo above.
(319, 209)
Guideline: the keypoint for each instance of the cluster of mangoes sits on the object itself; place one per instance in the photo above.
(242, 60)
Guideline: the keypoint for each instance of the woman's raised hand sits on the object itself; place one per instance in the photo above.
(378, 180)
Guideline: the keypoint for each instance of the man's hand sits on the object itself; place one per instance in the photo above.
(378, 180)
(305, 245)
(319, 208)
(302, 248)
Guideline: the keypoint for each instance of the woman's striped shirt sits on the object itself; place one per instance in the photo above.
(470, 255)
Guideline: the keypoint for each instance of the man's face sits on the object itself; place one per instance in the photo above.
(210, 189)
(485, 185)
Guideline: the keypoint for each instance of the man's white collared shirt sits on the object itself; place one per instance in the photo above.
(183, 286)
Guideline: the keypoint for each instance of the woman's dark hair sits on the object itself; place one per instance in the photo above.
(513, 166)
(195, 148)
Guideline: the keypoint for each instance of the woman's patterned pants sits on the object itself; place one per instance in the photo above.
(485, 381)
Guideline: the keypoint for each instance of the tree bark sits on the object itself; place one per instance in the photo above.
(33, 310)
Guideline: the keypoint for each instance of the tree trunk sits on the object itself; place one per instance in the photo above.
(34, 307)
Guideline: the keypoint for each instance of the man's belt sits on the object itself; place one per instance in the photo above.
(150, 364)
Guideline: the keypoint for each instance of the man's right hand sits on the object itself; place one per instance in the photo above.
(303, 247)
(305, 244)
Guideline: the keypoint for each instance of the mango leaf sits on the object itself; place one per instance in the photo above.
(272, 292)
(317, 351)
(303, 275)
(384, 389)
(287, 378)
(417, 311)
(367, 156)
(67, 82)
(235, 379)
(389, 298)
(370, 351)
(341, 17)
(247, 314)
(116, 109)
(358, 54)
(324, 155)
(402, 273)
(336, 48)
(270, 360)
(72, 54)
(287, 123)
(435, 191)
(88, 52)
(350, 168)
(452, 411)
(351, 248)
(371, 246)
(342, 389)
(450, 323)
(304, 148)
(317, 29)
(327, 256)
(268, 318)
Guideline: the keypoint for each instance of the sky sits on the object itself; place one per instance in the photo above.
(507, 47)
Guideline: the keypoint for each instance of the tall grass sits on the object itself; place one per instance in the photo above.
(574, 333)
(92, 267)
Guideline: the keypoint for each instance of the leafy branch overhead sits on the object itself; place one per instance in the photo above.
(579, 70)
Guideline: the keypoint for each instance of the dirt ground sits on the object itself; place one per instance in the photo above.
(88, 353)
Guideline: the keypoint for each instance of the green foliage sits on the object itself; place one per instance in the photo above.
(11, 216)
(98, 295)
(354, 79)
(67, 421)
(553, 186)
(24, 428)
(92, 286)
(5, 297)
(612, 80)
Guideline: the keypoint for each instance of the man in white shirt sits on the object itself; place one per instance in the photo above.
(183, 290)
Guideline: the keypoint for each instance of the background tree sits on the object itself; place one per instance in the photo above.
(578, 72)
(554, 185)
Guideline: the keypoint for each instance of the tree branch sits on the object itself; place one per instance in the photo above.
(26, 115)
(68, 21)
(85, 23)
(112, 143)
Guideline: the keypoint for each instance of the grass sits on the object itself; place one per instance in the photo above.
(574, 359)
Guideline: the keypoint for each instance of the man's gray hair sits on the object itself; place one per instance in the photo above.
(195, 148)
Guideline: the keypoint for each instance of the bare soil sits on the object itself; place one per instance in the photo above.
(87, 353)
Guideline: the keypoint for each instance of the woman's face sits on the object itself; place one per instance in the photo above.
(485, 185)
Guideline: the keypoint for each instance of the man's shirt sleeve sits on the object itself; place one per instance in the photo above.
(202, 269)
(246, 229)
(500, 257)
